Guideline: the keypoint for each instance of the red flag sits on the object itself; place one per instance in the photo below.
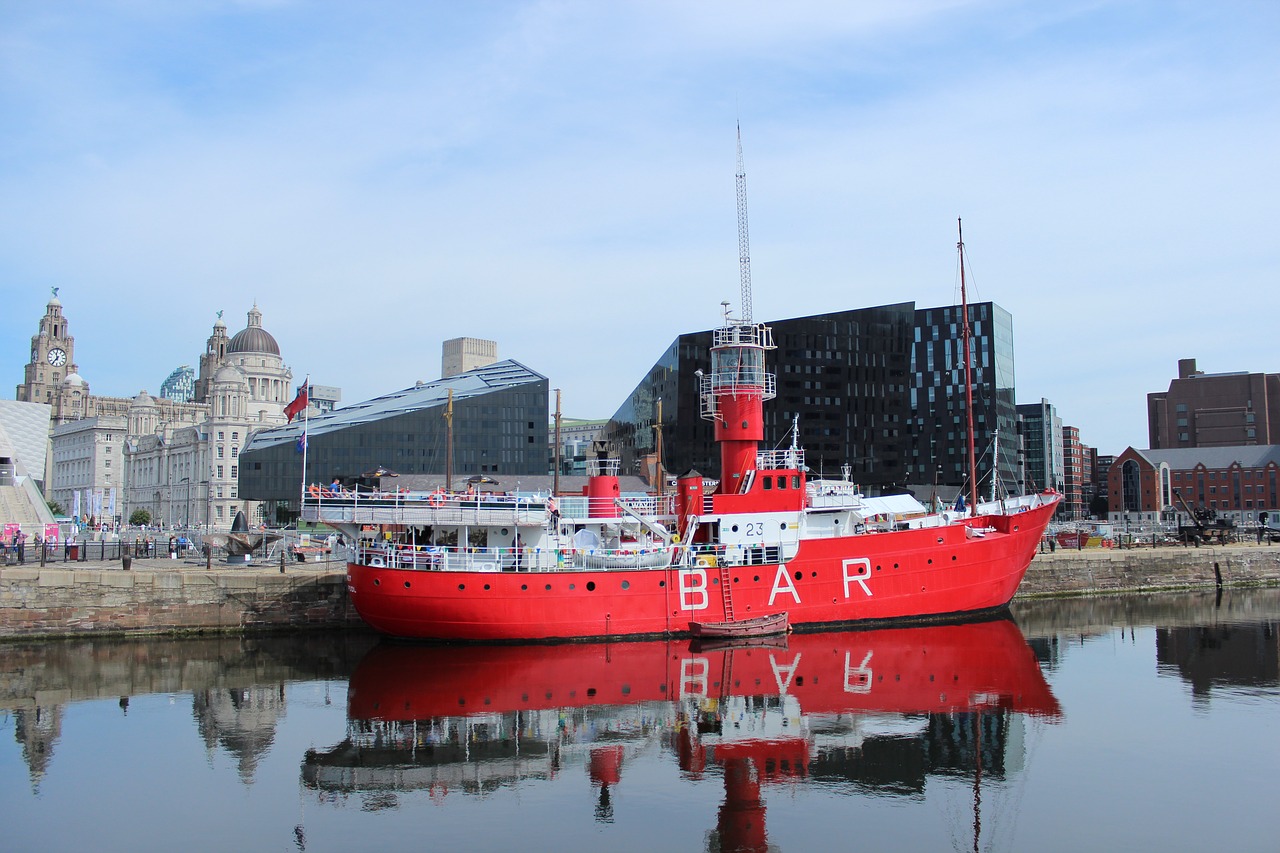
(299, 403)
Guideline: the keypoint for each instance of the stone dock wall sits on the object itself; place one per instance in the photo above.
(158, 597)
(155, 598)
(1098, 571)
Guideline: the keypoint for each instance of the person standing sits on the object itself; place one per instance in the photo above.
(20, 545)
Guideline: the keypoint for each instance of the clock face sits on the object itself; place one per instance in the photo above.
(57, 356)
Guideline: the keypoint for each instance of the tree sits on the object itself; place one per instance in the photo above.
(140, 517)
(55, 508)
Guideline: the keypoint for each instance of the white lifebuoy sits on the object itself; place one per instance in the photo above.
(377, 563)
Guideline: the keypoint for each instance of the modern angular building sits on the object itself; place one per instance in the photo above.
(1042, 446)
(877, 389)
(499, 428)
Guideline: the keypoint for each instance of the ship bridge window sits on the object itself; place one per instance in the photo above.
(768, 484)
(782, 481)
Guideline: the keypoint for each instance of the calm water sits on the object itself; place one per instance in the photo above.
(1117, 724)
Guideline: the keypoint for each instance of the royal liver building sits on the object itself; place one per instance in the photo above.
(178, 460)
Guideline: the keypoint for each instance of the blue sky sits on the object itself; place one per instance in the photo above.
(559, 177)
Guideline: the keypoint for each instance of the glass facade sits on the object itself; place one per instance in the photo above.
(880, 389)
(499, 427)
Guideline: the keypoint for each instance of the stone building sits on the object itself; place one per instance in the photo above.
(178, 459)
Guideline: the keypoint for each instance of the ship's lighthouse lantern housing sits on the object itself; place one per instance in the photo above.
(737, 367)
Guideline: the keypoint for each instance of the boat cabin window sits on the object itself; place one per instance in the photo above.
(782, 481)
(795, 481)
(768, 484)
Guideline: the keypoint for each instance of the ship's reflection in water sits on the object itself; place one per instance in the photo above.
(866, 710)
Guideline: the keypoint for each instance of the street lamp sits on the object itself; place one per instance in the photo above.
(186, 516)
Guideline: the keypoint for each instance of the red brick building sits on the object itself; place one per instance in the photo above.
(1235, 482)
(1214, 409)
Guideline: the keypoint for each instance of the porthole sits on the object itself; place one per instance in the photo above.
(626, 584)
(377, 582)
(460, 586)
(931, 561)
(734, 528)
(715, 581)
(486, 586)
(406, 584)
(591, 586)
(756, 579)
(782, 526)
(524, 586)
(953, 558)
(548, 587)
(895, 565)
(799, 575)
(661, 584)
(504, 531)
(813, 574)
(573, 586)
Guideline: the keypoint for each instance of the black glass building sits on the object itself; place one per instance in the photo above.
(499, 428)
(878, 389)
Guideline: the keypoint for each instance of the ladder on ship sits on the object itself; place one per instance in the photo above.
(725, 592)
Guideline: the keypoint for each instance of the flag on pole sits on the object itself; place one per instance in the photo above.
(302, 442)
(299, 402)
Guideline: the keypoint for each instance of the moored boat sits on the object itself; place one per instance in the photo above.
(759, 626)
(762, 540)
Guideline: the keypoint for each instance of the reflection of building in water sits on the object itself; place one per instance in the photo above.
(241, 719)
(1245, 656)
(475, 755)
(37, 729)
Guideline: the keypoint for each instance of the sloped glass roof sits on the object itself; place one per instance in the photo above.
(473, 383)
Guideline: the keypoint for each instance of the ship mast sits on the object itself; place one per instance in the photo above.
(744, 240)
(732, 395)
(966, 333)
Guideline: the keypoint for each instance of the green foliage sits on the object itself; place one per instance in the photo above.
(55, 508)
(140, 516)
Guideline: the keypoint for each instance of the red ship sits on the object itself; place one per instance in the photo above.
(764, 540)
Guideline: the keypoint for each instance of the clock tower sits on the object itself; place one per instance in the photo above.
(52, 362)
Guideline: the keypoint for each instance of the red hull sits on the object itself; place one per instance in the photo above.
(905, 575)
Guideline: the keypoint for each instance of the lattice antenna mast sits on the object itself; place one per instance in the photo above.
(744, 241)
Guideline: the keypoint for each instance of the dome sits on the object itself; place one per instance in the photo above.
(228, 375)
(143, 399)
(254, 338)
(74, 379)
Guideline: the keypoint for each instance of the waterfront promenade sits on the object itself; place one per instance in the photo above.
(162, 595)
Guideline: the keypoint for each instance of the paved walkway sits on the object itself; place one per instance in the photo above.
(164, 564)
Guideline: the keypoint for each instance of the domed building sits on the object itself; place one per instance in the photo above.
(177, 459)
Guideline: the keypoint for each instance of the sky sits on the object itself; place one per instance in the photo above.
(379, 177)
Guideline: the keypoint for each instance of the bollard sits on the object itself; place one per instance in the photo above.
(126, 562)
(208, 559)
(281, 561)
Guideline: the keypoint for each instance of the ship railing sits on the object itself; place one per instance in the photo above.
(734, 382)
(524, 559)
(754, 335)
(707, 555)
(771, 460)
(607, 467)
(580, 508)
(417, 508)
(832, 494)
